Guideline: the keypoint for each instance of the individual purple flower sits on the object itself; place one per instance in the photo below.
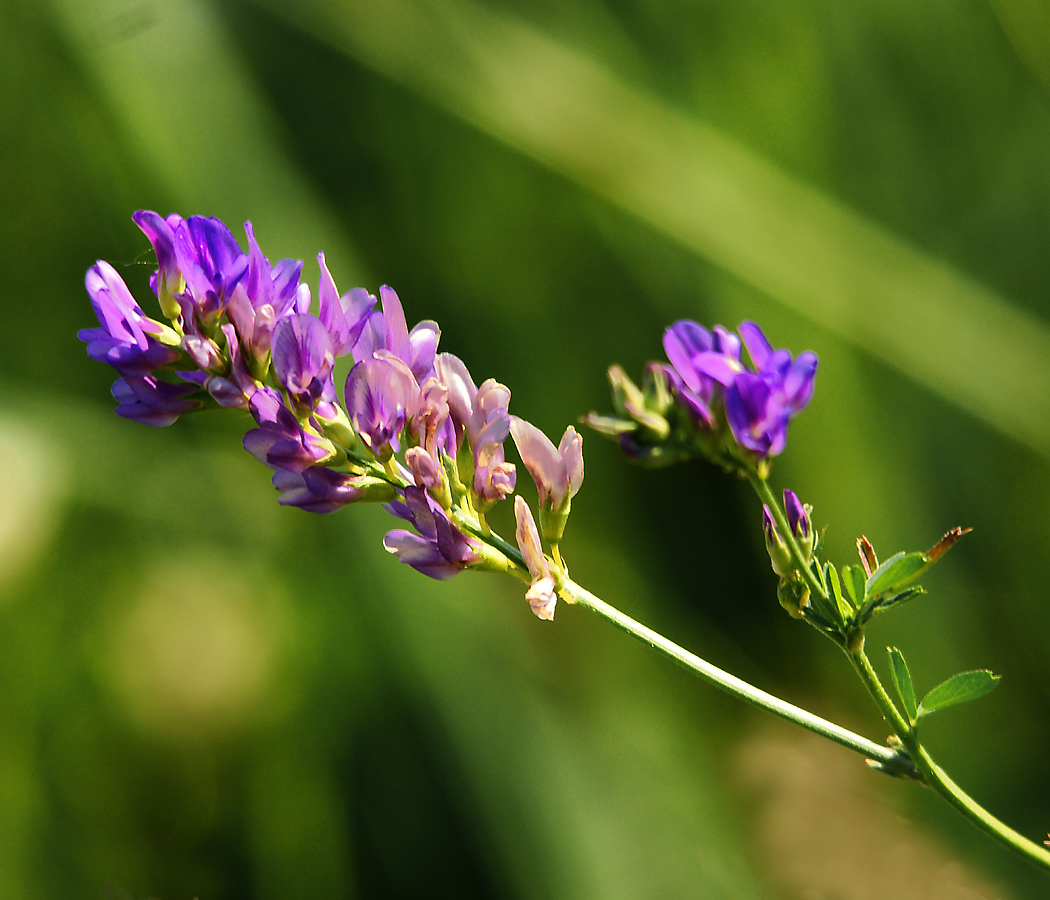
(166, 281)
(541, 594)
(303, 358)
(381, 396)
(280, 441)
(322, 490)
(204, 351)
(265, 295)
(432, 426)
(134, 344)
(428, 473)
(212, 265)
(235, 386)
(151, 401)
(692, 350)
(480, 415)
(388, 330)
(557, 471)
(344, 317)
(439, 550)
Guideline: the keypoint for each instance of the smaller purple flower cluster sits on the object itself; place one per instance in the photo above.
(706, 401)
(242, 335)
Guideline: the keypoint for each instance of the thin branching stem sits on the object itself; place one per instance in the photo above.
(889, 758)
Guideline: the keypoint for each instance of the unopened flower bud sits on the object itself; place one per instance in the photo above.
(794, 597)
(542, 593)
(656, 387)
(429, 474)
(798, 516)
(644, 407)
(557, 471)
(779, 555)
(338, 429)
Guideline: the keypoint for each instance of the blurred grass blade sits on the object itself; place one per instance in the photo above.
(197, 122)
(711, 194)
(1026, 24)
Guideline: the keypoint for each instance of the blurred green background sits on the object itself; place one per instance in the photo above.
(205, 695)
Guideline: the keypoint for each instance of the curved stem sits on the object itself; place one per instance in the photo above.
(761, 487)
(887, 759)
(935, 776)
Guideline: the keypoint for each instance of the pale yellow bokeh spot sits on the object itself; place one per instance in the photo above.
(32, 480)
(195, 652)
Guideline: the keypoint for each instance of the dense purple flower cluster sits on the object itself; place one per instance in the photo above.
(758, 404)
(706, 401)
(242, 335)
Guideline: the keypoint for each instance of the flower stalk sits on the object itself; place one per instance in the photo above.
(416, 433)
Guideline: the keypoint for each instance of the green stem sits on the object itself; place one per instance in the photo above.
(935, 776)
(761, 487)
(888, 759)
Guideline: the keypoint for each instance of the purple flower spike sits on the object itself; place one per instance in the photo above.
(153, 402)
(541, 594)
(303, 358)
(439, 550)
(381, 395)
(127, 339)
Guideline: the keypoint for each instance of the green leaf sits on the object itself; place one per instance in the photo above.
(897, 571)
(853, 578)
(901, 597)
(843, 604)
(818, 544)
(826, 607)
(902, 682)
(958, 689)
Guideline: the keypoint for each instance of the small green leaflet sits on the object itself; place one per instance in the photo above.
(853, 579)
(958, 689)
(897, 571)
(902, 597)
(844, 608)
(902, 682)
